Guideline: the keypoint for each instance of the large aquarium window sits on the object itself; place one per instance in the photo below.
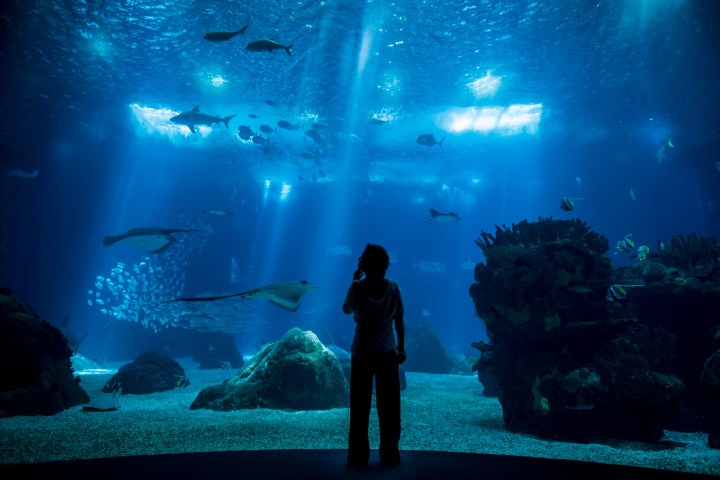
(226, 225)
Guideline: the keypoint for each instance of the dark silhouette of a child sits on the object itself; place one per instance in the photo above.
(376, 304)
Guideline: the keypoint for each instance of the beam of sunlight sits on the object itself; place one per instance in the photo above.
(157, 120)
(512, 120)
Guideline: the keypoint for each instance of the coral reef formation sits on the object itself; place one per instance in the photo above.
(36, 375)
(569, 360)
(295, 373)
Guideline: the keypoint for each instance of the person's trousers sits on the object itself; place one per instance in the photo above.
(384, 369)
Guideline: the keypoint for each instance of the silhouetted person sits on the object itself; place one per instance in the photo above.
(376, 304)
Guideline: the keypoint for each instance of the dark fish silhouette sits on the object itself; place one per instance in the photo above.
(267, 129)
(223, 36)
(442, 216)
(265, 45)
(219, 212)
(150, 239)
(428, 139)
(286, 295)
(287, 125)
(245, 132)
(271, 103)
(196, 117)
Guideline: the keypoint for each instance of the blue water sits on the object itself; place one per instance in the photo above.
(89, 87)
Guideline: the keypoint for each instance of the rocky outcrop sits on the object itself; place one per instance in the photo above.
(426, 353)
(36, 375)
(296, 373)
(149, 372)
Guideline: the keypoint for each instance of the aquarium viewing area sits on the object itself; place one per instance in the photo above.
(349, 239)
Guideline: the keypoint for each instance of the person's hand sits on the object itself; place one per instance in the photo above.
(358, 275)
(401, 357)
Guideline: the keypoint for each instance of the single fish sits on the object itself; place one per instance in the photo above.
(287, 125)
(219, 212)
(196, 117)
(259, 140)
(287, 295)
(442, 216)
(267, 129)
(271, 103)
(567, 204)
(615, 293)
(223, 36)
(23, 174)
(339, 250)
(429, 141)
(150, 239)
(662, 152)
(245, 132)
(252, 115)
(265, 45)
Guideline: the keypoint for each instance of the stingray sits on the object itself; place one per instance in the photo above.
(150, 239)
(286, 295)
(442, 216)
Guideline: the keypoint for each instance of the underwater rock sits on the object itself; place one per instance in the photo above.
(36, 375)
(485, 368)
(426, 353)
(216, 350)
(296, 373)
(150, 372)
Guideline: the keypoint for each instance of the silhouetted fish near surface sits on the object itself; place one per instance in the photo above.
(567, 204)
(223, 36)
(271, 103)
(662, 152)
(150, 239)
(287, 125)
(252, 115)
(429, 141)
(245, 132)
(265, 45)
(442, 216)
(196, 117)
(287, 295)
(219, 212)
(267, 129)
(259, 140)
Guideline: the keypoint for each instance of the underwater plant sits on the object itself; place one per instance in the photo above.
(691, 251)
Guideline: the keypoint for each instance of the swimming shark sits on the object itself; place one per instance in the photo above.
(196, 117)
(150, 239)
(286, 295)
(442, 216)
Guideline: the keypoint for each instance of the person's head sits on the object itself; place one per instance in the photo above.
(374, 261)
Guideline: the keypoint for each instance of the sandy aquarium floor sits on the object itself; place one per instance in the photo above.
(439, 412)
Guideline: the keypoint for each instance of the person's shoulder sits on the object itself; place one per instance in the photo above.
(393, 284)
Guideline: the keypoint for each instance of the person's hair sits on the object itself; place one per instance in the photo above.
(374, 260)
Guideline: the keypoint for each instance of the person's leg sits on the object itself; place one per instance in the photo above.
(361, 377)
(387, 398)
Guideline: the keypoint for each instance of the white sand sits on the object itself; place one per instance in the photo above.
(439, 412)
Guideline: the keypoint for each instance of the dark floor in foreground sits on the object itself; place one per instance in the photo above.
(330, 464)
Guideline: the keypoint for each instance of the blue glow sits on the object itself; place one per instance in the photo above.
(512, 120)
(485, 86)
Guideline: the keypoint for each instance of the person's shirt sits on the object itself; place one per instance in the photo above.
(375, 304)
